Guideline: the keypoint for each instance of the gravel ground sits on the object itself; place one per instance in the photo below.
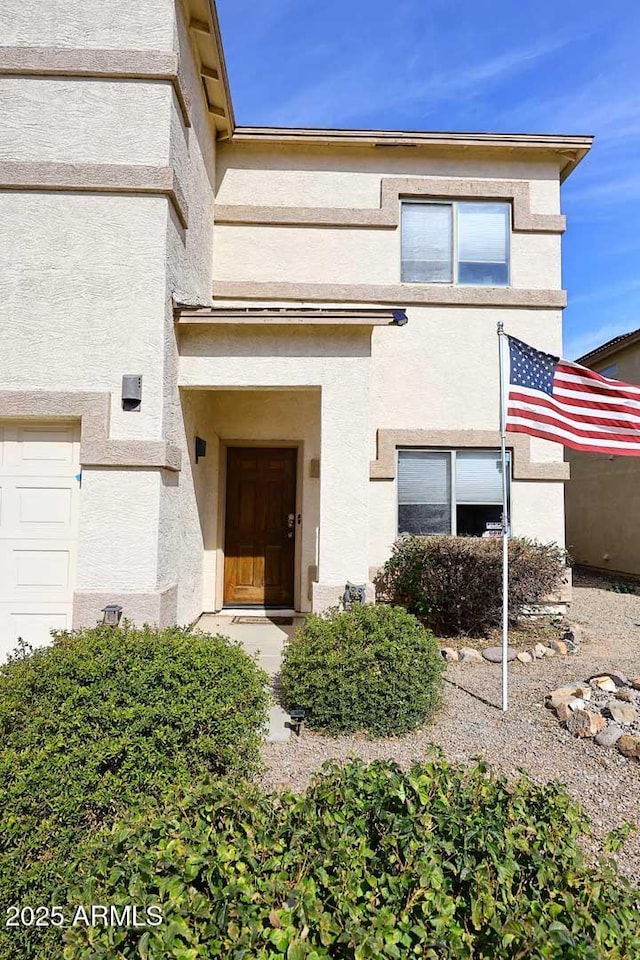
(528, 737)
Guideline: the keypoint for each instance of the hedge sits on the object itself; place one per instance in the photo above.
(99, 721)
(374, 862)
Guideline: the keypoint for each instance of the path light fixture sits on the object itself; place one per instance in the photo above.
(297, 719)
(112, 614)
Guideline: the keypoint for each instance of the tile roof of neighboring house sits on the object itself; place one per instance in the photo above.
(611, 346)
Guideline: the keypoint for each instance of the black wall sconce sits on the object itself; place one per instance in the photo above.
(132, 392)
(201, 448)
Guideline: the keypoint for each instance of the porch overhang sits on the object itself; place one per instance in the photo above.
(291, 316)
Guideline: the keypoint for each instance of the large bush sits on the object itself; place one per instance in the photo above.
(99, 721)
(454, 584)
(436, 862)
(374, 668)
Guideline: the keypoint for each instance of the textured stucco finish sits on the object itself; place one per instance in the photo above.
(88, 120)
(339, 366)
(157, 608)
(92, 274)
(119, 24)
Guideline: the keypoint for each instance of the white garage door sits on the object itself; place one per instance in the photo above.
(39, 484)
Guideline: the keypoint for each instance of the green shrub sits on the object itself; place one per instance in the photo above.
(100, 720)
(374, 862)
(454, 584)
(374, 668)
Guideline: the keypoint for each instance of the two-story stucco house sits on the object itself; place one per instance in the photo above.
(236, 362)
(603, 496)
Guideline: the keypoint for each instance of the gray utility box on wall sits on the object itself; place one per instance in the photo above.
(131, 392)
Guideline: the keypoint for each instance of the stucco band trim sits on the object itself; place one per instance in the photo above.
(97, 64)
(524, 468)
(95, 178)
(92, 409)
(155, 607)
(392, 189)
(395, 293)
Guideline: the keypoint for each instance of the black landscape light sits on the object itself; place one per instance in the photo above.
(297, 719)
(112, 614)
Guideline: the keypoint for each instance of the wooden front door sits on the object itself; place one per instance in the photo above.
(260, 526)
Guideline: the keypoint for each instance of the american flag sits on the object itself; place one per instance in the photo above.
(560, 400)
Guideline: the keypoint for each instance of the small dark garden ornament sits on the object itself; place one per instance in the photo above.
(354, 594)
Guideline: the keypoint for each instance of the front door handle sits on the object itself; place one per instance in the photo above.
(291, 519)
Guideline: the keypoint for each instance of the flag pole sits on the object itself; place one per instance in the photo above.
(505, 525)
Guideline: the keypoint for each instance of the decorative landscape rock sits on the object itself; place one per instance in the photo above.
(635, 683)
(624, 713)
(601, 708)
(549, 652)
(572, 636)
(494, 654)
(563, 694)
(620, 679)
(626, 694)
(629, 746)
(524, 656)
(609, 736)
(469, 655)
(604, 682)
(449, 654)
(539, 651)
(559, 646)
(583, 723)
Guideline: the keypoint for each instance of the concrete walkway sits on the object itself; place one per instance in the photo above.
(264, 641)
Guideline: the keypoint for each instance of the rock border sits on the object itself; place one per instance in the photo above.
(605, 708)
(570, 636)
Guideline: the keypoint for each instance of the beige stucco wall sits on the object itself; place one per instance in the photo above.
(119, 24)
(440, 372)
(343, 176)
(87, 279)
(334, 362)
(603, 495)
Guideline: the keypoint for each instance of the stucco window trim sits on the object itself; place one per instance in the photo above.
(98, 64)
(392, 191)
(523, 467)
(396, 293)
(97, 449)
(95, 178)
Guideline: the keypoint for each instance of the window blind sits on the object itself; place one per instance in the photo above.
(424, 477)
(482, 232)
(478, 477)
(427, 233)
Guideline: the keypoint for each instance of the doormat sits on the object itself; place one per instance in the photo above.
(279, 621)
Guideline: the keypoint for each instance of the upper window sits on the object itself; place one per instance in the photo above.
(609, 371)
(459, 242)
(450, 491)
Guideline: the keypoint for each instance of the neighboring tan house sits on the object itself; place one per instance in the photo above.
(289, 422)
(603, 496)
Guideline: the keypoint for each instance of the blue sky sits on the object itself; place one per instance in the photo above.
(540, 66)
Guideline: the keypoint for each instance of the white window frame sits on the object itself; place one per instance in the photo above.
(454, 282)
(452, 451)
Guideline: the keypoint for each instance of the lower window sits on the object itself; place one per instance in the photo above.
(451, 491)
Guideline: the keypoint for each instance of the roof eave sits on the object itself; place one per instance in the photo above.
(571, 148)
(610, 348)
